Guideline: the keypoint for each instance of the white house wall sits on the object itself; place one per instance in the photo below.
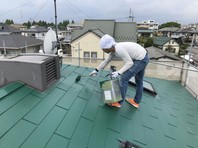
(174, 45)
(87, 43)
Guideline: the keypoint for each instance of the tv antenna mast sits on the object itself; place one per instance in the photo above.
(51, 42)
(131, 17)
(56, 22)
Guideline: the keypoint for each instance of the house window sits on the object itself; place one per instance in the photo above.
(33, 35)
(94, 55)
(173, 42)
(23, 50)
(86, 55)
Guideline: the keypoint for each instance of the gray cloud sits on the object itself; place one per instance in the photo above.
(183, 11)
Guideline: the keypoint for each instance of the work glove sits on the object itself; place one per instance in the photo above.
(94, 72)
(115, 74)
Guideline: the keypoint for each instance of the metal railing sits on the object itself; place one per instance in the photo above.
(181, 71)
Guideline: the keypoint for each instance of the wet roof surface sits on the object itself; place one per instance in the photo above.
(73, 115)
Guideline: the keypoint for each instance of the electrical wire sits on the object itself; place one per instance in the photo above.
(75, 9)
(40, 9)
(14, 9)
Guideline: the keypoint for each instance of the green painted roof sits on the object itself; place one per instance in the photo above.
(161, 40)
(73, 115)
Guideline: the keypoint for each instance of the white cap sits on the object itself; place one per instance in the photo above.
(107, 41)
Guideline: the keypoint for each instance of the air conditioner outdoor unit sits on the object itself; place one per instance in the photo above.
(39, 71)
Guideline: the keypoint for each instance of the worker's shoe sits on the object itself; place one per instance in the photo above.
(132, 102)
(116, 104)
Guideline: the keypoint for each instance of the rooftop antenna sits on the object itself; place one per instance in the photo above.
(56, 22)
(59, 51)
(131, 17)
(51, 42)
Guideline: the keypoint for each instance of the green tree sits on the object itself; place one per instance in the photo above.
(182, 50)
(9, 22)
(145, 41)
(63, 25)
(148, 42)
(170, 24)
(28, 24)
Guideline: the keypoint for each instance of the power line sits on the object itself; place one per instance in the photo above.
(14, 9)
(74, 8)
(40, 9)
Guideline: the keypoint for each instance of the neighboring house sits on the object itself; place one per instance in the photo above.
(179, 33)
(12, 44)
(62, 34)
(167, 44)
(165, 58)
(85, 42)
(19, 26)
(193, 25)
(7, 29)
(167, 31)
(73, 26)
(157, 54)
(145, 33)
(149, 24)
(186, 34)
(36, 32)
(87, 45)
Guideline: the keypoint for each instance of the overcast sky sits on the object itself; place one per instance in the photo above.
(162, 11)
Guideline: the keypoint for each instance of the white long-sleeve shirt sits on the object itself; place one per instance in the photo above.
(127, 51)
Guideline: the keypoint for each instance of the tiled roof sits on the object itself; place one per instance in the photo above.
(145, 31)
(125, 32)
(15, 41)
(121, 31)
(169, 29)
(161, 40)
(73, 115)
(36, 29)
(8, 28)
(156, 53)
(105, 26)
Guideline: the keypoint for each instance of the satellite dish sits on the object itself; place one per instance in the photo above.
(50, 42)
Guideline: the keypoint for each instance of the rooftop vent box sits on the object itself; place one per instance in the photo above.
(36, 70)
